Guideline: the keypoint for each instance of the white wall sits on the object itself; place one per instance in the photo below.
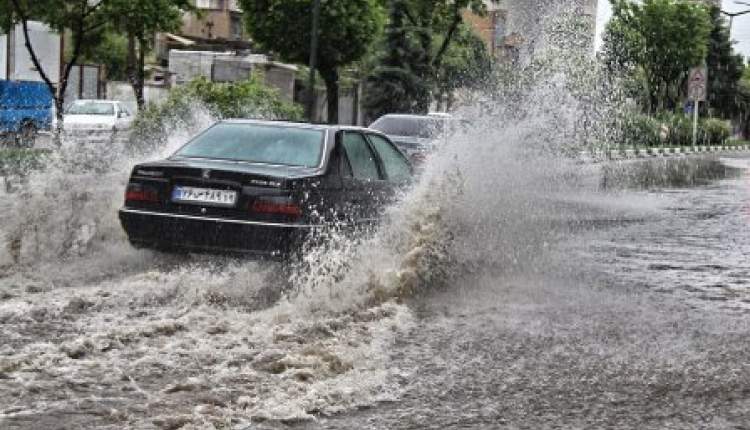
(46, 45)
(3, 56)
(123, 92)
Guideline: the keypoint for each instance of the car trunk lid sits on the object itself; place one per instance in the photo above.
(225, 189)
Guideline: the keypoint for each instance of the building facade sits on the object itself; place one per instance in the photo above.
(218, 19)
(515, 28)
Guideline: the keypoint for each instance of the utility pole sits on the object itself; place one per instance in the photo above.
(313, 59)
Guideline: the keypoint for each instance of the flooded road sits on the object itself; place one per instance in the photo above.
(642, 323)
(632, 312)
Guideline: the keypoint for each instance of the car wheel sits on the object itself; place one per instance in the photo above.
(27, 136)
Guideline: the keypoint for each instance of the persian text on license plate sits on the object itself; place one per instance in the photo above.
(204, 196)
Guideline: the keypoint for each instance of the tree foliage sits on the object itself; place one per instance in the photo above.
(744, 102)
(139, 20)
(395, 84)
(418, 37)
(245, 99)
(724, 70)
(661, 38)
(347, 29)
(81, 18)
(110, 49)
(92, 26)
(466, 64)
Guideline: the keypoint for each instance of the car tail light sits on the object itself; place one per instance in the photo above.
(140, 193)
(278, 206)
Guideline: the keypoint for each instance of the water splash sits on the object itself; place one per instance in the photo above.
(202, 342)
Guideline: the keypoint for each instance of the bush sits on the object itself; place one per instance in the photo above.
(714, 131)
(640, 130)
(711, 131)
(673, 130)
(15, 161)
(245, 99)
(679, 129)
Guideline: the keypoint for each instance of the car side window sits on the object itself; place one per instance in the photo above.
(345, 169)
(396, 167)
(360, 156)
(338, 168)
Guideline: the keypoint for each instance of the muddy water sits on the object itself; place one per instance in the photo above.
(638, 319)
(183, 345)
(630, 313)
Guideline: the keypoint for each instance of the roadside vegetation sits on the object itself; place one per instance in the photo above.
(92, 28)
(245, 99)
(672, 130)
(17, 162)
(653, 45)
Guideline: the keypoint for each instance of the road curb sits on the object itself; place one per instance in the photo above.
(679, 151)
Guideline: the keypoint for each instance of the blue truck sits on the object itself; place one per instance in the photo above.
(26, 107)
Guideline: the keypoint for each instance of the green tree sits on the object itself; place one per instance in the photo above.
(245, 99)
(110, 50)
(466, 64)
(140, 19)
(394, 84)
(347, 29)
(724, 70)
(411, 66)
(663, 39)
(82, 18)
(744, 102)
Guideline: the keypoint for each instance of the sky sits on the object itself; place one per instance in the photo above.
(740, 27)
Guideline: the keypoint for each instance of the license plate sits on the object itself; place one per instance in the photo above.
(204, 196)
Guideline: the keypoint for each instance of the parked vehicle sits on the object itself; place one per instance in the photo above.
(25, 108)
(416, 135)
(261, 186)
(96, 116)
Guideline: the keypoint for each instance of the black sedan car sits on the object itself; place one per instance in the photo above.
(261, 186)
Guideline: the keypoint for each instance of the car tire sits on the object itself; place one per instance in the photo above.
(26, 137)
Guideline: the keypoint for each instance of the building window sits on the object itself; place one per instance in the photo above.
(236, 27)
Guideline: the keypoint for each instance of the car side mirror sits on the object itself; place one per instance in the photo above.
(122, 114)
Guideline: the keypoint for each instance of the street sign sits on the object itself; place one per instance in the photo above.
(697, 81)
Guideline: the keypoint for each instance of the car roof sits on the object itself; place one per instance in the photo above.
(439, 115)
(407, 116)
(281, 123)
(96, 101)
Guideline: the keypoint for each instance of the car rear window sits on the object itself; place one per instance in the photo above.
(91, 108)
(409, 126)
(258, 143)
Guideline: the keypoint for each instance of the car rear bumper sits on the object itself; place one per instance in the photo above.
(190, 232)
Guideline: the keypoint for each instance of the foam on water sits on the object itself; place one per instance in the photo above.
(134, 339)
(198, 339)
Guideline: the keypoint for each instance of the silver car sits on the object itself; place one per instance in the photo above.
(415, 135)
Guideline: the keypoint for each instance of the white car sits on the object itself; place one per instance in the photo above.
(97, 116)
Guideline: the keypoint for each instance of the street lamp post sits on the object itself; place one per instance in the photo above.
(313, 59)
(731, 15)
